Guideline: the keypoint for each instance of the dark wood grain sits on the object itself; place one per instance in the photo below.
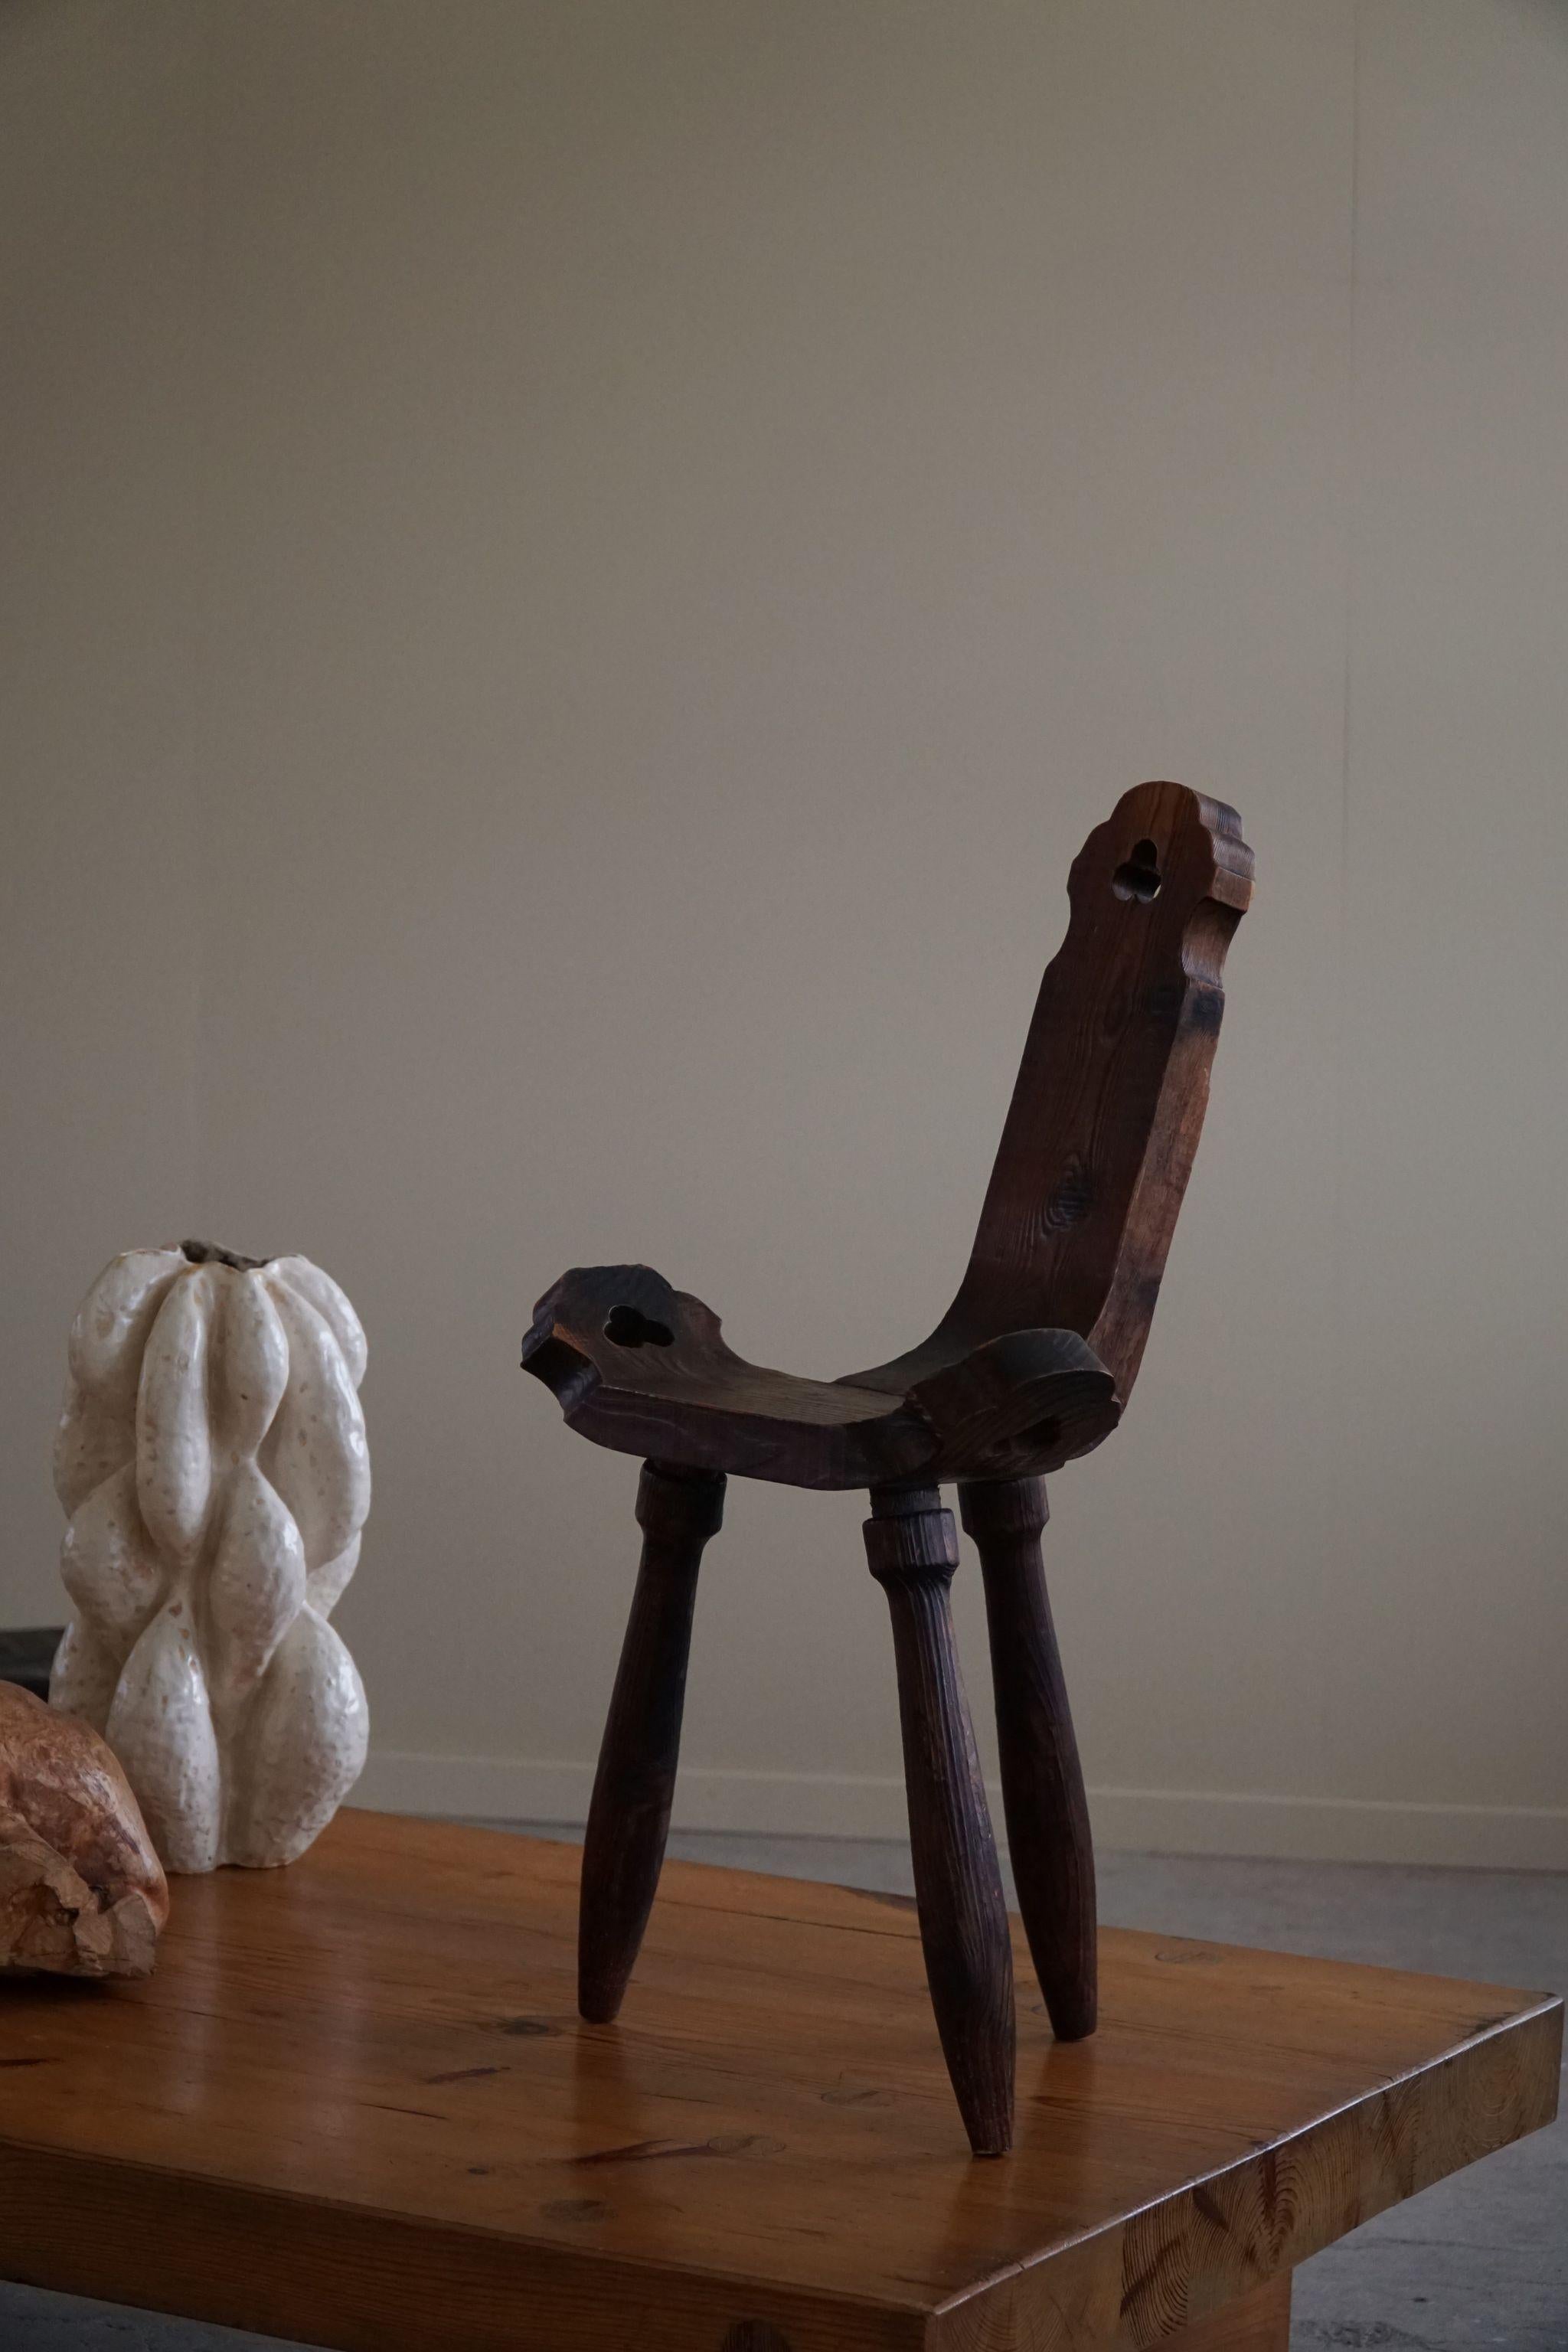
(1258, 2322)
(688, 1398)
(1030, 1367)
(634, 1788)
(1073, 1235)
(987, 1404)
(913, 1549)
(1042, 1781)
(1105, 1118)
(356, 2106)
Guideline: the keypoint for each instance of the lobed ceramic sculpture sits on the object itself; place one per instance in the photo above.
(81, 1891)
(211, 1462)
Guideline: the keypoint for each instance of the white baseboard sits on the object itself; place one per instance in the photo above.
(1147, 1820)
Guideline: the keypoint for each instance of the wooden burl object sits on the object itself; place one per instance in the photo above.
(82, 1892)
(1031, 1366)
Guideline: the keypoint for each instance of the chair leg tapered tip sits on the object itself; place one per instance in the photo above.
(600, 2004)
(1072, 2025)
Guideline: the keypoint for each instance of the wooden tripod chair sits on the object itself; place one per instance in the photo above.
(1030, 1365)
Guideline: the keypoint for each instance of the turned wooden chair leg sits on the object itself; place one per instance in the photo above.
(913, 1550)
(628, 1818)
(1042, 1784)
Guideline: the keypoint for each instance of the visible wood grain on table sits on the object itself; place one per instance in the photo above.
(1257, 2322)
(355, 2105)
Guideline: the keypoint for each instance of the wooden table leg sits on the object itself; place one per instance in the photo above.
(1042, 1782)
(1256, 2322)
(628, 1817)
(913, 1548)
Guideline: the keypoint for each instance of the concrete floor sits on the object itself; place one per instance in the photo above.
(1478, 2264)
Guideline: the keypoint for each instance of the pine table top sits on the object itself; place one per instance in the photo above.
(356, 2106)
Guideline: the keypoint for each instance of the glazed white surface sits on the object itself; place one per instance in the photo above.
(211, 1459)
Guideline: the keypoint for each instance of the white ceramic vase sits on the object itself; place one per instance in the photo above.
(212, 1462)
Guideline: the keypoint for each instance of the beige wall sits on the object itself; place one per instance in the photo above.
(574, 574)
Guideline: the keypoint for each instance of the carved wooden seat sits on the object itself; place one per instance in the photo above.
(1030, 1367)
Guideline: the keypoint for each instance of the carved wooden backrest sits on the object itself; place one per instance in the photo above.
(1033, 1361)
(1109, 1099)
